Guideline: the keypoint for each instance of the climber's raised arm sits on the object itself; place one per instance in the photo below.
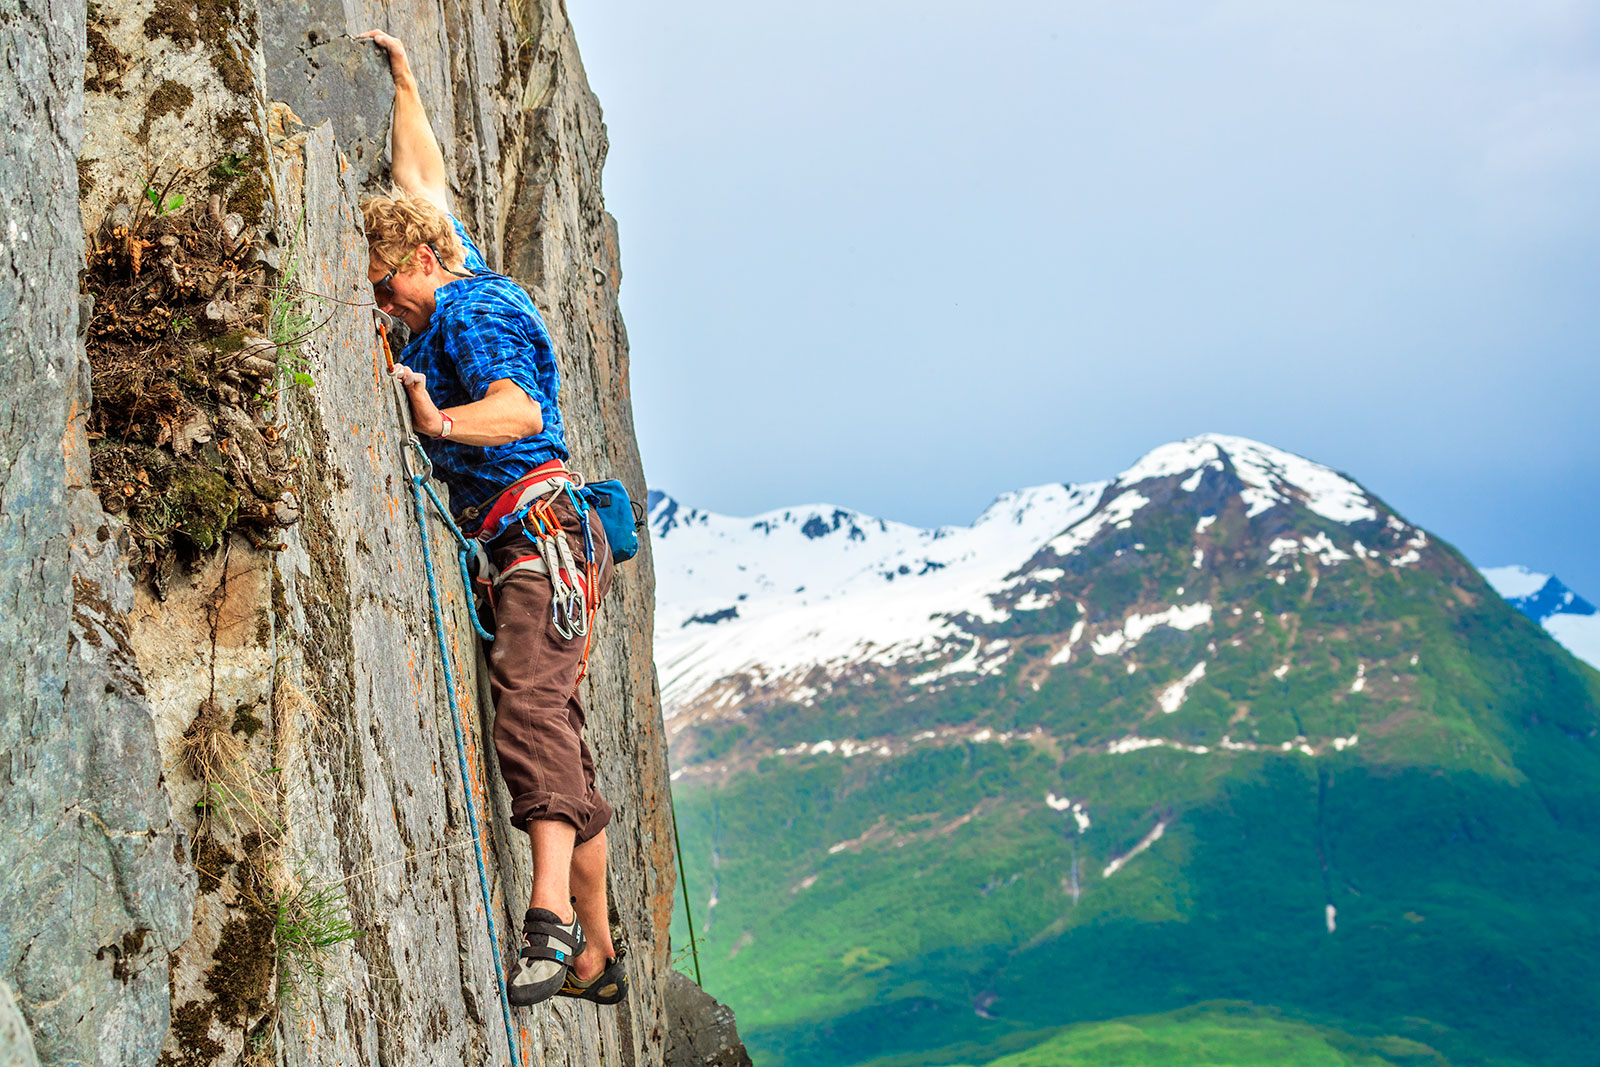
(417, 164)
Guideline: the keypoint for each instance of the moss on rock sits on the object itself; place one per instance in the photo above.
(205, 504)
(242, 978)
(170, 98)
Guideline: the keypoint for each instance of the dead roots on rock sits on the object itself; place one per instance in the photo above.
(186, 442)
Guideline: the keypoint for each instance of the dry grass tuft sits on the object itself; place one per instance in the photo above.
(233, 791)
(214, 753)
(297, 715)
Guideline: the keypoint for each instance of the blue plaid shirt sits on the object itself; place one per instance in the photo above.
(485, 328)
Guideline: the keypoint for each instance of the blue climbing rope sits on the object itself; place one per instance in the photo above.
(419, 483)
(464, 547)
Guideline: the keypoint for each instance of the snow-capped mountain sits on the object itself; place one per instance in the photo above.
(1226, 711)
(766, 600)
(1568, 617)
(780, 593)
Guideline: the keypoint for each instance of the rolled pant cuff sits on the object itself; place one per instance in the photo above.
(587, 815)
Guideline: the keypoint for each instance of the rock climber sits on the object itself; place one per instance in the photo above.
(483, 388)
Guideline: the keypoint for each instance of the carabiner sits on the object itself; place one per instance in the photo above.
(555, 620)
(422, 453)
(579, 621)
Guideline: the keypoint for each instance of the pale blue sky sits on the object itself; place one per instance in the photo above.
(906, 256)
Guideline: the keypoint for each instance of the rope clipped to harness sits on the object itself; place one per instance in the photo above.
(418, 474)
(465, 549)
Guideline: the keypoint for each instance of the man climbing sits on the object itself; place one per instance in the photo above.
(482, 383)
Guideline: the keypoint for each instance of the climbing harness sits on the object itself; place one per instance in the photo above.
(418, 473)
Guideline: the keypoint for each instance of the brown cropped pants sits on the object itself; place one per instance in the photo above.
(533, 670)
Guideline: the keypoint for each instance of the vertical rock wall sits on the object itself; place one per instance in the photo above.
(270, 761)
(96, 886)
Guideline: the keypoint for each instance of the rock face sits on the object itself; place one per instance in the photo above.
(96, 885)
(249, 772)
(700, 1031)
(16, 1044)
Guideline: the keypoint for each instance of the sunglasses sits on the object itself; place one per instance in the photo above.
(383, 286)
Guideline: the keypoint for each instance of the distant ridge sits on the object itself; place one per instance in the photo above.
(1543, 598)
(774, 595)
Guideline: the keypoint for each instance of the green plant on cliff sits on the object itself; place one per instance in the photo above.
(175, 353)
(160, 202)
(289, 323)
(309, 920)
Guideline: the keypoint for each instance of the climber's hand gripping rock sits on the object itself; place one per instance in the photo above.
(399, 66)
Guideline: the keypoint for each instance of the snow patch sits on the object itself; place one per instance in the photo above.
(1114, 514)
(1413, 552)
(1065, 652)
(1124, 745)
(1514, 583)
(1174, 695)
(1033, 601)
(1144, 842)
(1281, 547)
(1133, 629)
(1079, 813)
(1178, 457)
(1319, 545)
(1327, 553)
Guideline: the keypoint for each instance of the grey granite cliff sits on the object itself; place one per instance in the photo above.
(231, 812)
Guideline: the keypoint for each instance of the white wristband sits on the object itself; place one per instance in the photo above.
(449, 424)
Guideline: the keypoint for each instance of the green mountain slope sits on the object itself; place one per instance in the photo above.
(1216, 1035)
(1234, 752)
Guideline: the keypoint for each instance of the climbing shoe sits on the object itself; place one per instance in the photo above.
(548, 948)
(607, 987)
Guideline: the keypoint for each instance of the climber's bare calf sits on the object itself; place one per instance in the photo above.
(585, 883)
(482, 383)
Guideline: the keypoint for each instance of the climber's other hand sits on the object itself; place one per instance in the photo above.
(414, 381)
(424, 412)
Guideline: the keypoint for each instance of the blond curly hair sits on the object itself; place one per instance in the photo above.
(396, 224)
